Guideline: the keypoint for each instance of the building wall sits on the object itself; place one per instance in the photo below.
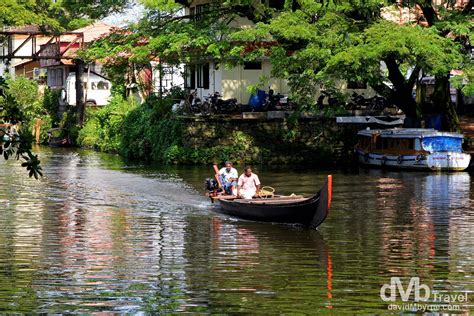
(27, 70)
(236, 81)
(172, 76)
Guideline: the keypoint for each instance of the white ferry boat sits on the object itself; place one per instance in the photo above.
(412, 148)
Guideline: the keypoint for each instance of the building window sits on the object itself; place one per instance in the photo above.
(203, 76)
(100, 85)
(351, 84)
(199, 11)
(253, 65)
(55, 77)
(189, 77)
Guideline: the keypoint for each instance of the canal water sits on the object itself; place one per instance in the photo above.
(98, 235)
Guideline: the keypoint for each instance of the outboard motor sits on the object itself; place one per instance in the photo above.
(211, 185)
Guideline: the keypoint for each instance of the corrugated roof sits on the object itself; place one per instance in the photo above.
(407, 133)
(91, 32)
(94, 31)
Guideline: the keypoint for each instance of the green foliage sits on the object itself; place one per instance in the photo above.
(12, 144)
(149, 132)
(242, 149)
(104, 128)
(21, 102)
(93, 9)
(51, 104)
(409, 46)
(18, 12)
(16, 110)
(152, 134)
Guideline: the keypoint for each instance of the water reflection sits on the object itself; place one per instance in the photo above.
(250, 265)
(427, 222)
(97, 235)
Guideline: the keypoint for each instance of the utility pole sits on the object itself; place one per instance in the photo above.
(80, 91)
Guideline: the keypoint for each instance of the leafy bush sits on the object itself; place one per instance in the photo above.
(104, 127)
(21, 101)
(51, 104)
(151, 132)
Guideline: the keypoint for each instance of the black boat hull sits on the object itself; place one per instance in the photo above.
(311, 211)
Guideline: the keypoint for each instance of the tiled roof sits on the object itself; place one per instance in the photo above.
(94, 31)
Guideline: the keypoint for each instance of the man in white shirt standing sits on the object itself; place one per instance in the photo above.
(228, 176)
(248, 184)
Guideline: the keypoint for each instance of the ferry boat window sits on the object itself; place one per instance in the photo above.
(417, 144)
(378, 142)
(442, 144)
(100, 85)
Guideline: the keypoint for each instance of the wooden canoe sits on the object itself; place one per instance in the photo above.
(296, 209)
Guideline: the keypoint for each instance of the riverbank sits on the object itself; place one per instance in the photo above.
(264, 138)
(151, 132)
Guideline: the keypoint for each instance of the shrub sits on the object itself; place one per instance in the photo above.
(105, 127)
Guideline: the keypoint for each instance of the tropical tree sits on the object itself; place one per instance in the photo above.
(398, 49)
(15, 12)
(17, 102)
(18, 97)
(310, 43)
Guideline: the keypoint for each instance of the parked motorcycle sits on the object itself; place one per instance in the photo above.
(277, 101)
(194, 105)
(331, 100)
(221, 106)
(359, 101)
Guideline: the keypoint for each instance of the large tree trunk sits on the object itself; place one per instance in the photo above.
(442, 101)
(402, 95)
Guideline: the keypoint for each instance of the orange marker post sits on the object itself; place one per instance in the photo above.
(329, 191)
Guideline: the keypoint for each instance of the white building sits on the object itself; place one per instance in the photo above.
(209, 77)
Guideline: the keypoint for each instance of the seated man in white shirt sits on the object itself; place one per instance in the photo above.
(228, 176)
(248, 184)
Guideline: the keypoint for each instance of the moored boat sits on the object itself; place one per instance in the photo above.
(412, 148)
(294, 209)
(55, 138)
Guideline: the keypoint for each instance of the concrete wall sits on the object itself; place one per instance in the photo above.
(276, 141)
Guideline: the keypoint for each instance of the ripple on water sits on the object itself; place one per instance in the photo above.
(95, 235)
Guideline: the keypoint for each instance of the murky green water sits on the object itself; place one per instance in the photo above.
(96, 235)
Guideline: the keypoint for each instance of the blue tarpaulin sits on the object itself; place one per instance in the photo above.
(442, 143)
(256, 101)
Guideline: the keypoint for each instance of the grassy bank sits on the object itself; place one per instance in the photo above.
(151, 133)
